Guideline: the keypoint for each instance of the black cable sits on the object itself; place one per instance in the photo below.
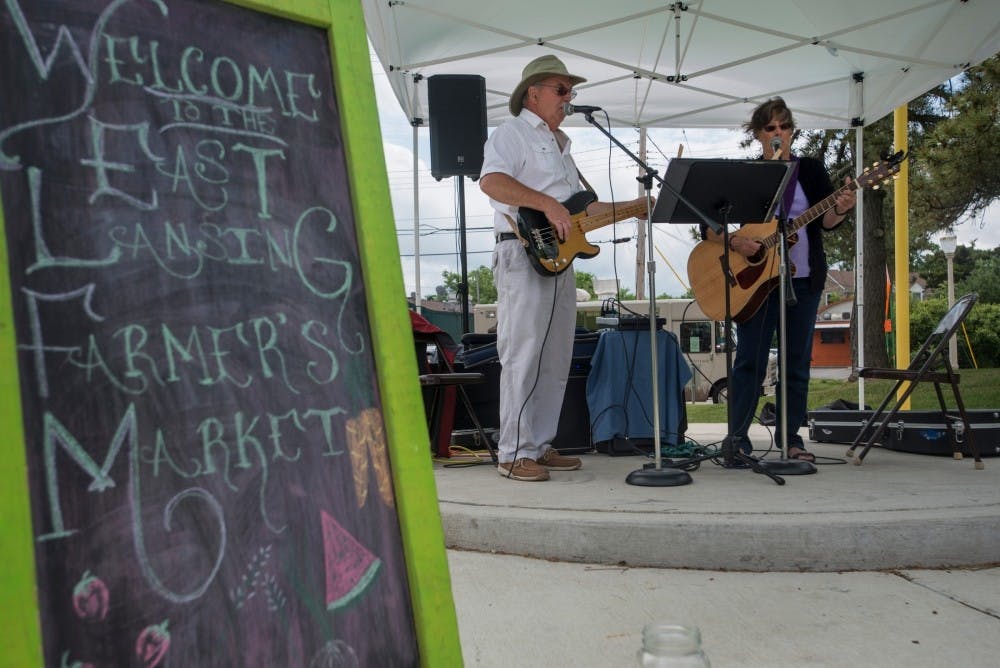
(690, 359)
(538, 374)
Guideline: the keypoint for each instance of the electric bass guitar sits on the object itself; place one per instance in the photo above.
(550, 256)
(751, 278)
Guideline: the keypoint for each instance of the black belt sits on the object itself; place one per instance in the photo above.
(506, 236)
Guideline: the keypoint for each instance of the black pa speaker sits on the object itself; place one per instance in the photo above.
(457, 106)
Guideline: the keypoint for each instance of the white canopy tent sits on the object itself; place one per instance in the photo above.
(701, 63)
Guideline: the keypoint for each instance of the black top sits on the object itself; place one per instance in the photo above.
(816, 185)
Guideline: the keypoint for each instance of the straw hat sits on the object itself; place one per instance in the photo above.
(538, 69)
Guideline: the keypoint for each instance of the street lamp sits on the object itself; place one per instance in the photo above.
(948, 243)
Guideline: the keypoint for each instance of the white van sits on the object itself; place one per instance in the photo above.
(701, 339)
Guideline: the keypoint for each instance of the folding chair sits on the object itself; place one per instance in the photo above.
(930, 364)
(442, 384)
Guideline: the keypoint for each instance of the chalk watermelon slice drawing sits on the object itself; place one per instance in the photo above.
(350, 567)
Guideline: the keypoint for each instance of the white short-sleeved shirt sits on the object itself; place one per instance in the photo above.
(525, 149)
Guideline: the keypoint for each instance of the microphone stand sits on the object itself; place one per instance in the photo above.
(731, 457)
(786, 298)
(656, 475)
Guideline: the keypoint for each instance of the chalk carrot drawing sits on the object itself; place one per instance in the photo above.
(350, 567)
(366, 443)
(91, 598)
(152, 644)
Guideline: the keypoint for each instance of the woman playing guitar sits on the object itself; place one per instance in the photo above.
(772, 126)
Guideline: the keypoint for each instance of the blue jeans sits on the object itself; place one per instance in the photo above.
(752, 348)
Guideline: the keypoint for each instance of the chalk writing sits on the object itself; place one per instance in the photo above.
(196, 376)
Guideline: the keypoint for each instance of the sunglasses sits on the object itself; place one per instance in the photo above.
(561, 90)
(772, 127)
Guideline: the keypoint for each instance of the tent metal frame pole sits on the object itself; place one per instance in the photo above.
(859, 259)
(416, 221)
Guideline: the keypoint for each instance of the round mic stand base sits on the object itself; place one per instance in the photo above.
(658, 477)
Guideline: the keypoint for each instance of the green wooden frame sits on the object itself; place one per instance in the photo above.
(392, 343)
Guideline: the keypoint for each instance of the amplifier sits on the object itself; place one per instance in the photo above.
(633, 322)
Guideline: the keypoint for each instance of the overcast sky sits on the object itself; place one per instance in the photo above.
(609, 170)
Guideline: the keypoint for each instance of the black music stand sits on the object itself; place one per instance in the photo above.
(713, 194)
(722, 190)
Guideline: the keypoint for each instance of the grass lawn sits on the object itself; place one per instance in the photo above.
(980, 388)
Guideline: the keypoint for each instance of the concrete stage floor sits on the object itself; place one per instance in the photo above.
(897, 510)
(892, 563)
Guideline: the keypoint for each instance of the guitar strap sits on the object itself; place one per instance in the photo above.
(561, 140)
(513, 228)
(789, 195)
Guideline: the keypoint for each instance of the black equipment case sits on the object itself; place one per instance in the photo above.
(480, 354)
(924, 432)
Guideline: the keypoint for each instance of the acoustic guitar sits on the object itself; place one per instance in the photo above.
(550, 256)
(752, 278)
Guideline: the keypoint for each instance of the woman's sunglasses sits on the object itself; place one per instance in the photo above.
(772, 127)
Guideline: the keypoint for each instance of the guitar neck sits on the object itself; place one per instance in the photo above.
(816, 210)
(597, 221)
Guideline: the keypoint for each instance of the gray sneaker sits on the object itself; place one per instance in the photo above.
(523, 469)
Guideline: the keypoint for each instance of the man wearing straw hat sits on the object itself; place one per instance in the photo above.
(527, 163)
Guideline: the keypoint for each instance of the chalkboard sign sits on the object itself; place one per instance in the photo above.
(198, 236)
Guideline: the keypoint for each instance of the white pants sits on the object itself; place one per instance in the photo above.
(536, 322)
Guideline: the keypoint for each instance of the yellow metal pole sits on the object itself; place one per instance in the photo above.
(902, 247)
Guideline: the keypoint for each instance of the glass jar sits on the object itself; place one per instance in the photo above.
(670, 645)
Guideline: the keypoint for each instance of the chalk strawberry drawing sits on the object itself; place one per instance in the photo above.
(90, 598)
(350, 567)
(152, 644)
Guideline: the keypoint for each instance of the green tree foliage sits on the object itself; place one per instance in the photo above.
(836, 148)
(440, 294)
(482, 289)
(981, 338)
(956, 174)
(933, 267)
(585, 280)
(983, 278)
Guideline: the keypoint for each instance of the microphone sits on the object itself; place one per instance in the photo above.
(776, 147)
(571, 109)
